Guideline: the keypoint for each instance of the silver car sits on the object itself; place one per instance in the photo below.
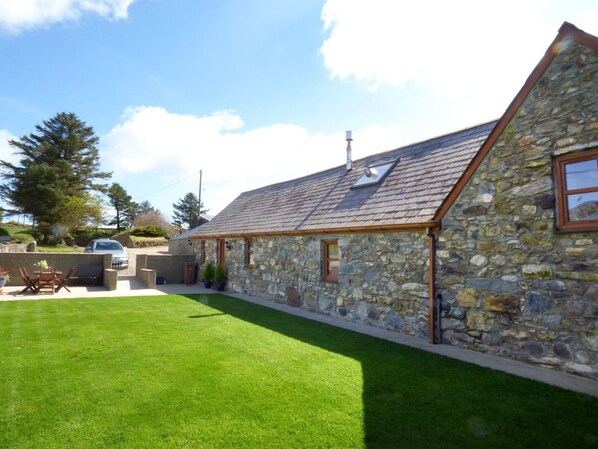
(120, 258)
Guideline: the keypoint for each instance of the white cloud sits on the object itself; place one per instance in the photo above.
(174, 147)
(6, 151)
(477, 52)
(19, 15)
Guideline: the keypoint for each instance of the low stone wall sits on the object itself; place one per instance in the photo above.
(147, 277)
(382, 276)
(110, 279)
(59, 261)
(168, 266)
(13, 248)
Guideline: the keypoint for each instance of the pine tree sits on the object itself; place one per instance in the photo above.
(57, 163)
(185, 210)
(124, 206)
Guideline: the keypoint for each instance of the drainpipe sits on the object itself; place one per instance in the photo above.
(433, 313)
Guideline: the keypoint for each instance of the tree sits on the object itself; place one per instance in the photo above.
(59, 162)
(79, 211)
(185, 210)
(124, 206)
(39, 191)
(145, 207)
(154, 219)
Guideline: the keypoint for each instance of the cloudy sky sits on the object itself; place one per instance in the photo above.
(261, 91)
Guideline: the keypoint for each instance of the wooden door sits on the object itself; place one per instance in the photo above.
(221, 251)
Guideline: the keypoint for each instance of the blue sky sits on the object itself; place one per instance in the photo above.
(256, 92)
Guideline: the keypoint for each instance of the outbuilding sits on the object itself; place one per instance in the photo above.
(484, 238)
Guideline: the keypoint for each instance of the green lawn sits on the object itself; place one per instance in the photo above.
(59, 249)
(216, 372)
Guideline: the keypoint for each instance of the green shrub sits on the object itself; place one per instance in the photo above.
(22, 238)
(68, 240)
(92, 233)
(220, 274)
(148, 231)
(37, 235)
(4, 231)
(208, 271)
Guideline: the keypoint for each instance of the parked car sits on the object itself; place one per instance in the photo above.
(120, 258)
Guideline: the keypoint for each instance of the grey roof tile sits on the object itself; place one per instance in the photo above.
(411, 193)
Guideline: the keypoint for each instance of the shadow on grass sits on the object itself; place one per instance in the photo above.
(415, 399)
(207, 315)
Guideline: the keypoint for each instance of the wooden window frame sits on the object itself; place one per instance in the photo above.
(249, 243)
(562, 192)
(326, 259)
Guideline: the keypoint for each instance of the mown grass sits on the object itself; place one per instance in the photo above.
(149, 241)
(216, 372)
(15, 228)
(59, 249)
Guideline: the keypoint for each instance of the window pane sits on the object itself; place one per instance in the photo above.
(332, 251)
(333, 268)
(581, 175)
(583, 207)
(249, 254)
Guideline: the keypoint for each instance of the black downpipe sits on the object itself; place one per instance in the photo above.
(438, 310)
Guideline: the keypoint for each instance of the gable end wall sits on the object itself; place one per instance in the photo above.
(511, 284)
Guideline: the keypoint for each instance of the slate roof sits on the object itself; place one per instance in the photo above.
(324, 202)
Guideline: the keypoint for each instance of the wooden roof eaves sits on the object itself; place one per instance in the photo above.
(567, 30)
(408, 227)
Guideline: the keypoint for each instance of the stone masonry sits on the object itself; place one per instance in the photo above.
(511, 283)
(383, 277)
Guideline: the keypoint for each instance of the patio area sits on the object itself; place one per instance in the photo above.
(126, 286)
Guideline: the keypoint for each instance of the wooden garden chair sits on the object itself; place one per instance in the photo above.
(30, 284)
(46, 282)
(63, 283)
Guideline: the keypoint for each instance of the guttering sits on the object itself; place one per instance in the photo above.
(411, 227)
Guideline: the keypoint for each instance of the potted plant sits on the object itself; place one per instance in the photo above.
(220, 278)
(42, 265)
(4, 277)
(208, 274)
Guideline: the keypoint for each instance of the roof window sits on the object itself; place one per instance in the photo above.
(374, 174)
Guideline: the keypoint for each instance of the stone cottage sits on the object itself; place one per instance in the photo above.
(485, 238)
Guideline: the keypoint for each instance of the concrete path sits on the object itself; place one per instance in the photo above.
(128, 286)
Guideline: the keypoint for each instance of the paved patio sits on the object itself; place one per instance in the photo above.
(126, 286)
(129, 286)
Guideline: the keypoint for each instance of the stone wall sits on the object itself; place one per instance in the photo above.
(511, 284)
(383, 277)
(13, 248)
(59, 261)
(180, 247)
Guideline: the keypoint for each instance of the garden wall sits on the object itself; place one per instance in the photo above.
(59, 261)
(168, 266)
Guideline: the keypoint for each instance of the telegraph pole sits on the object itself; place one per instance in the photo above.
(199, 198)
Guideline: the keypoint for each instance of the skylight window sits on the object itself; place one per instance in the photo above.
(374, 174)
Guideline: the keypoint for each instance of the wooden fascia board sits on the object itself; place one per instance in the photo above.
(412, 227)
(567, 31)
